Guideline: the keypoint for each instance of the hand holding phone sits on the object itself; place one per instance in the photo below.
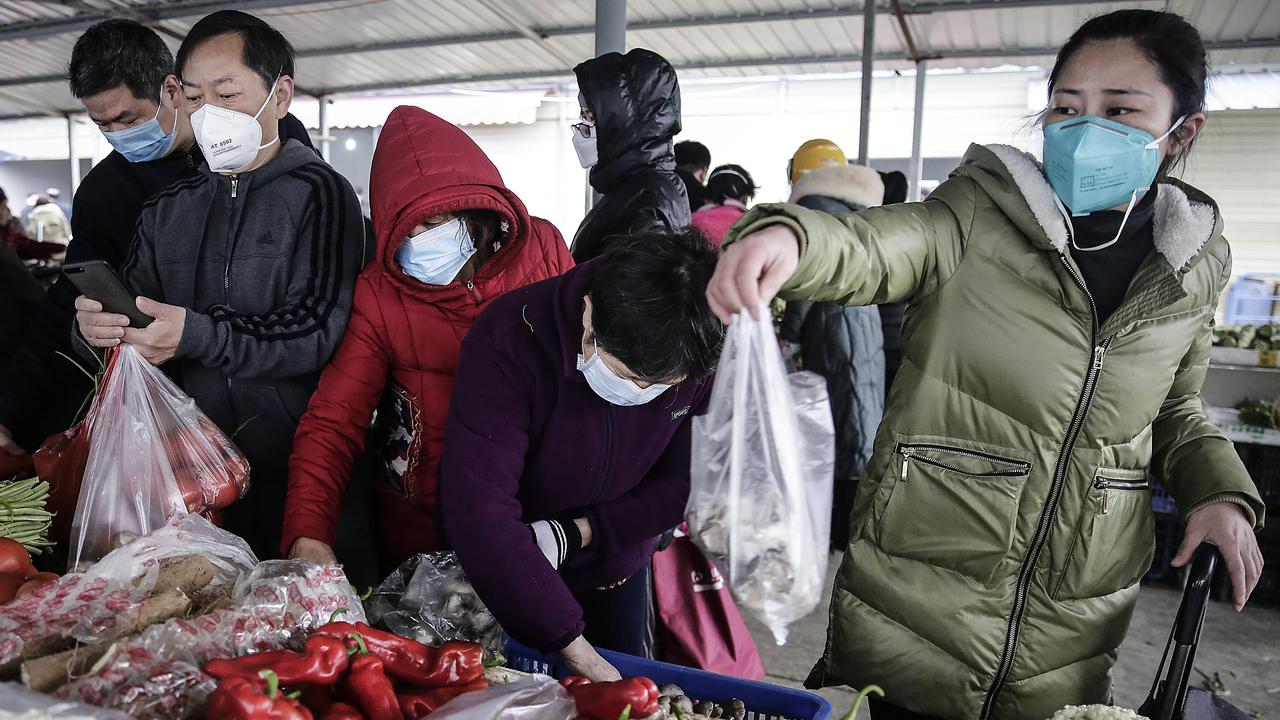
(98, 282)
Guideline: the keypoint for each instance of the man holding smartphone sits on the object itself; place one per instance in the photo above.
(122, 72)
(248, 266)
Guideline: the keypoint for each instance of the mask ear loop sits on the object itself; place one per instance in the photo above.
(1133, 201)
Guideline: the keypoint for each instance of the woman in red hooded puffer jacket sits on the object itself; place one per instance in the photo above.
(451, 238)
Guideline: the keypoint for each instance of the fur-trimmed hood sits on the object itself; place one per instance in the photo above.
(1185, 218)
(850, 184)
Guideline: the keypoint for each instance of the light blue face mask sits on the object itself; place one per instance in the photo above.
(1094, 163)
(436, 256)
(611, 387)
(145, 142)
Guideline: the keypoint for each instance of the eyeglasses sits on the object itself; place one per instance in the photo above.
(584, 129)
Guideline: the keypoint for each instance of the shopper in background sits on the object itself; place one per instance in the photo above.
(452, 239)
(122, 73)
(1059, 331)
(56, 196)
(891, 314)
(693, 160)
(248, 267)
(567, 448)
(13, 237)
(845, 345)
(630, 112)
(47, 224)
(728, 193)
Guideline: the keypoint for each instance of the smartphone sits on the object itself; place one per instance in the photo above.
(97, 281)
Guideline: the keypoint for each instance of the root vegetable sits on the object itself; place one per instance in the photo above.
(36, 581)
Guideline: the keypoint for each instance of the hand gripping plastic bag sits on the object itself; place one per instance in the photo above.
(152, 453)
(760, 496)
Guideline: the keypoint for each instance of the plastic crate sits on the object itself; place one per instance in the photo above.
(763, 701)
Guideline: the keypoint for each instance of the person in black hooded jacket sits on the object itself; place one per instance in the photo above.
(631, 111)
(845, 345)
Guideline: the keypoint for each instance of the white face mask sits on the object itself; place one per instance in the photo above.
(229, 138)
(436, 256)
(613, 389)
(586, 149)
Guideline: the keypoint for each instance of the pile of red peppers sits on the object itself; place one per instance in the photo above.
(630, 698)
(346, 671)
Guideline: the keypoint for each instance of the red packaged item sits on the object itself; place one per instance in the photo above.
(152, 453)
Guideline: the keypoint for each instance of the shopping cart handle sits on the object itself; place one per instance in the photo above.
(1195, 598)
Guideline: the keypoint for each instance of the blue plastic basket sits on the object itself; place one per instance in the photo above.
(763, 701)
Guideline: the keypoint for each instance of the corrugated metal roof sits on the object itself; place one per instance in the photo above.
(360, 45)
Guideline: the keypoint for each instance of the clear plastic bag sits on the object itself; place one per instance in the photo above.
(157, 674)
(429, 599)
(20, 703)
(535, 698)
(152, 453)
(763, 457)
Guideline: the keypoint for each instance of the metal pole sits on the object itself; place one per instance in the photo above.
(917, 126)
(324, 127)
(868, 66)
(73, 153)
(611, 26)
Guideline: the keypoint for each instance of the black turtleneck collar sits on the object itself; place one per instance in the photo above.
(1109, 272)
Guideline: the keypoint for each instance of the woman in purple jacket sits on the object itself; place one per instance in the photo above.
(566, 451)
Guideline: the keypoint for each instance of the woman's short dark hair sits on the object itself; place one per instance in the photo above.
(1172, 43)
(266, 51)
(649, 305)
(119, 52)
(730, 181)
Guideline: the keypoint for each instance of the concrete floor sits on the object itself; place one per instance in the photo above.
(1244, 649)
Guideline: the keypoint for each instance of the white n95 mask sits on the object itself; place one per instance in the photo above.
(229, 138)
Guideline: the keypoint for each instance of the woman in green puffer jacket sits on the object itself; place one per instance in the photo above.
(1057, 338)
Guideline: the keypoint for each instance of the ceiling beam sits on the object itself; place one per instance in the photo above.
(836, 58)
(153, 13)
(190, 8)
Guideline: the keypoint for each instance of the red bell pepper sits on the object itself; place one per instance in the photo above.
(420, 703)
(608, 700)
(317, 698)
(247, 698)
(341, 711)
(322, 662)
(367, 683)
(411, 662)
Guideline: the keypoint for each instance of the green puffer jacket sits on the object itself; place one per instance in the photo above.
(1005, 518)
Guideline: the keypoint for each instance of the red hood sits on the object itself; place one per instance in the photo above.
(425, 166)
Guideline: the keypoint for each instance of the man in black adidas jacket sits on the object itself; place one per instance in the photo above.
(247, 267)
(123, 74)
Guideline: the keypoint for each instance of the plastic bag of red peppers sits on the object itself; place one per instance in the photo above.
(346, 671)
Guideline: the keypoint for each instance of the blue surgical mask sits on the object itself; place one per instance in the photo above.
(145, 142)
(436, 256)
(614, 389)
(1094, 163)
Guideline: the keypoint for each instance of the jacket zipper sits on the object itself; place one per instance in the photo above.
(473, 292)
(1027, 571)
(606, 467)
(226, 267)
(908, 452)
(1106, 485)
